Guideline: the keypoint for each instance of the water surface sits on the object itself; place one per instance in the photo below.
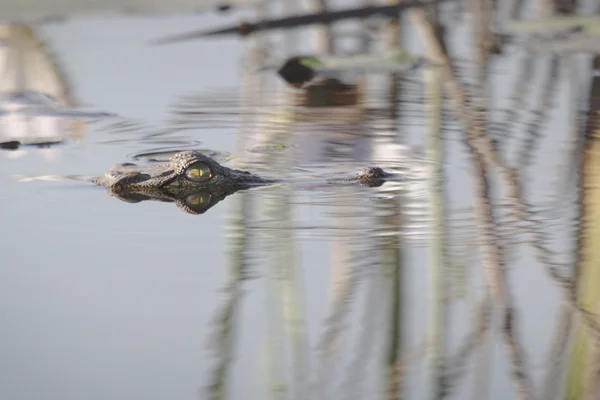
(296, 288)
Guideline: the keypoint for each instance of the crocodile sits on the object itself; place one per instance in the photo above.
(196, 182)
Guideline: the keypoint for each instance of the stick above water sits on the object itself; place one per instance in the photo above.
(246, 28)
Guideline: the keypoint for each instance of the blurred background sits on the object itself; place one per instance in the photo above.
(475, 276)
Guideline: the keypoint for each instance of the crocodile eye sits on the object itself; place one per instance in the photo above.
(198, 172)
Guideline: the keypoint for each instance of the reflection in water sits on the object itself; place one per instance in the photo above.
(382, 248)
(36, 99)
(584, 364)
(194, 181)
(193, 202)
(35, 11)
(412, 300)
(197, 182)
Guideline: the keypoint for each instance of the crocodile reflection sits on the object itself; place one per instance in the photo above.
(192, 202)
(196, 182)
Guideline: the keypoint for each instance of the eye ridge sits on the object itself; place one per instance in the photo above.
(198, 172)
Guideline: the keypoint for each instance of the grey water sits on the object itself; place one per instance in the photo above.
(291, 291)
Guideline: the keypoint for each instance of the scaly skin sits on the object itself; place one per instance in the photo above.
(168, 181)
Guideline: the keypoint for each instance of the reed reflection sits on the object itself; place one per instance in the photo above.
(37, 105)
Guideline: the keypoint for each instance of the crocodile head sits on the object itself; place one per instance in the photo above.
(196, 182)
(193, 181)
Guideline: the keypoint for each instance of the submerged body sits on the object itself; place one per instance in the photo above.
(197, 182)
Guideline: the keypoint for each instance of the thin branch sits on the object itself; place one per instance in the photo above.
(554, 360)
(491, 250)
(540, 115)
(482, 144)
(455, 365)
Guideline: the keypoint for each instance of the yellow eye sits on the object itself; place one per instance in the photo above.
(198, 203)
(198, 172)
(195, 199)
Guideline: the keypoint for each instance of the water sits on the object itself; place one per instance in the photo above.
(304, 290)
